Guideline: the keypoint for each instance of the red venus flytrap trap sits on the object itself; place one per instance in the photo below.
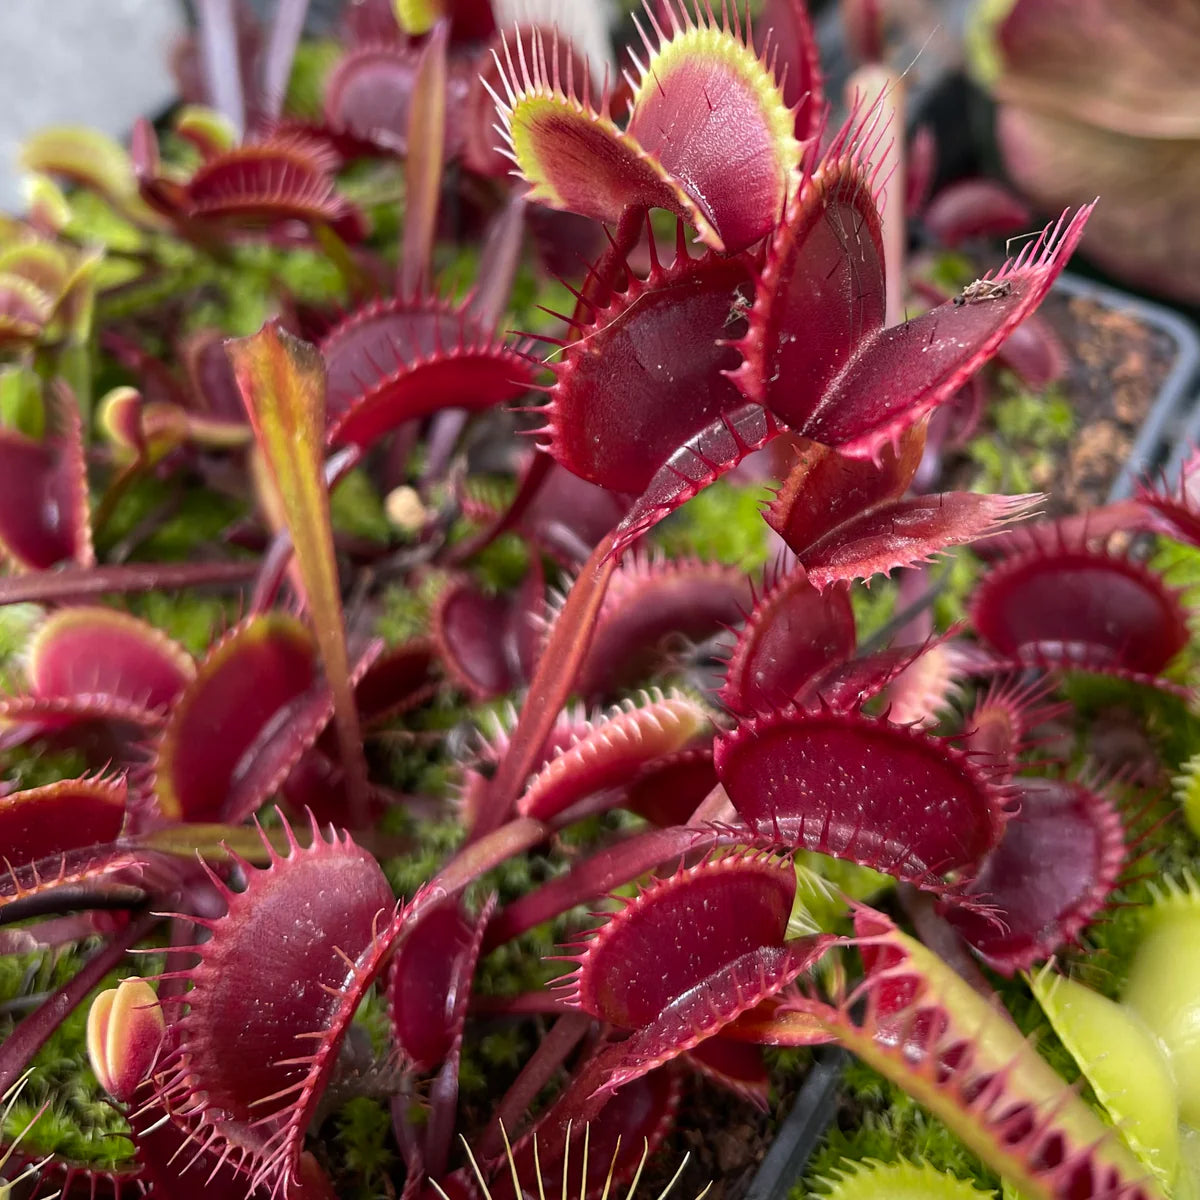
(247, 1028)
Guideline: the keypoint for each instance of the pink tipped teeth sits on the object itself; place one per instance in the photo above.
(649, 369)
(1062, 601)
(793, 634)
(283, 971)
(394, 360)
(900, 373)
(1037, 911)
(885, 796)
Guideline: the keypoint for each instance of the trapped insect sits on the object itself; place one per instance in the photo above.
(983, 289)
(739, 309)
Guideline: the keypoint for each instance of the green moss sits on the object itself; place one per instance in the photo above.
(155, 289)
(378, 188)
(433, 842)
(364, 1144)
(505, 1048)
(427, 765)
(881, 1121)
(16, 623)
(956, 577)
(404, 611)
(372, 1018)
(472, 1078)
(496, 492)
(1043, 420)
(504, 562)
(238, 292)
(1021, 451)
(357, 509)
(786, 1062)
(314, 59)
(522, 965)
(35, 765)
(873, 606)
(951, 272)
(723, 523)
(501, 566)
(80, 1123)
(193, 619)
(166, 521)
(304, 273)
(519, 965)
(532, 292)
(1179, 563)
(457, 269)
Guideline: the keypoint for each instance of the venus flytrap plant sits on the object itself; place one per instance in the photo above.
(1133, 1050)
(1167, 1009)
(587, 1173)
(22, 1171)
(830, 209)
(125, 1034)
(676, 364)
(1186, 793)
(1124, 1065)
(924, 1026)
(283, 384)
(903, 1180)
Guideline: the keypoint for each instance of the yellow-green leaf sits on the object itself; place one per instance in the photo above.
(417, 16)
(1124, 1064)
(282, 381)
(83, 156)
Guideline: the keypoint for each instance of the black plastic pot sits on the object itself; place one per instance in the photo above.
(812, 1114)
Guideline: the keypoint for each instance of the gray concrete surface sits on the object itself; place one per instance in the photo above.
(94, 62)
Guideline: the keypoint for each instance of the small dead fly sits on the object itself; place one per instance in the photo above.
(739, 310)
(983, 289)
